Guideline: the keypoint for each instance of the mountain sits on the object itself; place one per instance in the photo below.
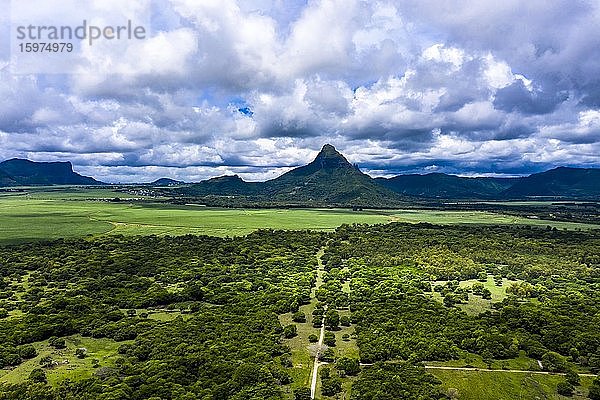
(6, 180)
(228, 185)
(24, 172)
(166, 182)
(328, 180)
(331, 179)
(438, 185)
(557, 182)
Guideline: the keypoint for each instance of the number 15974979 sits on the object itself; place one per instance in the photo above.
(44, 47)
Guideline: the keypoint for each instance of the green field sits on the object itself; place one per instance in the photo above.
(51, 214)
(477, 304)
(68, 366)
(478, 385)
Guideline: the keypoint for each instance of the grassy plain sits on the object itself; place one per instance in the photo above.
(484, 385)
(477, 304)
(68, 365)
(63, 212)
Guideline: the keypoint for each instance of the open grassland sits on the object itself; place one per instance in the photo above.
(468, 360)
(69, 193)
(485, 385)
(477, 304)
(66, 364)
(51, 215)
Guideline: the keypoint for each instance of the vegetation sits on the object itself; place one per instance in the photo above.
(56, 216)
(204, 317)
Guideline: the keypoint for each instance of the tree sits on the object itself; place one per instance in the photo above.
(57, 343)
(313, 338)
(27, 351)
(594, 363)
(330, 384)
(350, 366)
(328, 355)
(81, 352)
(486, 294)
(564, 388)
(486, 356)
(572, 377)
(290, 331)
(594, 393)
(345, 320)
(332, 319)
(38, 375)
(302, 393)
(553, 362)
(449, 300)
(478, 288)
(521, 290)
(46, 361)
(329, 339)
(299, 316)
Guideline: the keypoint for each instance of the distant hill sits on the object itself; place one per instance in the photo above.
(438, 185)
(166, 182)
(558, 182)
(228, 185)
(17, 172)
(328, 180)
(331, 180)
(6, 180)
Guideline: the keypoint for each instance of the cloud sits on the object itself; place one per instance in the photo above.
(481, 87)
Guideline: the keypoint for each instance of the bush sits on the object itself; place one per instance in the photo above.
(329, 339)
(554, 362)
(594, 393)
(299, 317)
(290, 331)
(38, 375)
(302, 393)
(564, 388)
(80, 352)
(350, 366)
(27, 351)
(572, 377)
(57, 343)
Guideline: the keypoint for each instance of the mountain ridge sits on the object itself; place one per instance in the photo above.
(439, 185)
(21, 172)
(330, 179)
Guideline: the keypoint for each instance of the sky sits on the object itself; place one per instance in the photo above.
(256, 87)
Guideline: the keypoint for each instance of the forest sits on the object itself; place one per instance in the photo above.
(402, 292)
